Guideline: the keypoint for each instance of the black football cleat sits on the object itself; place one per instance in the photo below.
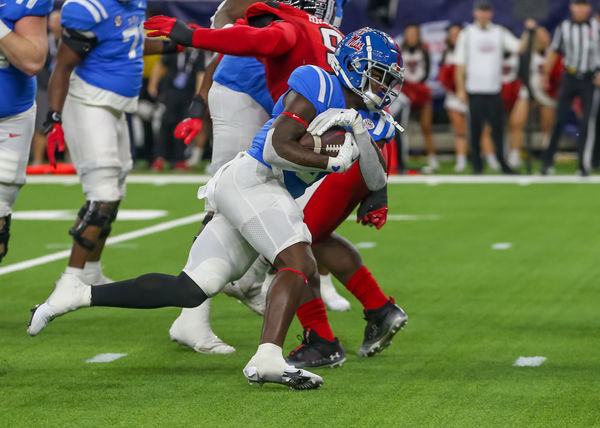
(316, 352)
(382, 324)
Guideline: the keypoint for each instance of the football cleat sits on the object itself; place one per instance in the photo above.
(382, 324)
(200, 338)
(294, 378)
(331, 297)
(316, 352)
(69, 294)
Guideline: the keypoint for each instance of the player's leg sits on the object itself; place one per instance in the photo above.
(218, 256)
(236, 118)
(15, 142)
(384, 318)
(96, 137)
(260, 207)
(426, 121)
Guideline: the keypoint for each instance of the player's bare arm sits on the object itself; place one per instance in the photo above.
(26, 46)
(58, 85)
(289, 128)
(159, 46)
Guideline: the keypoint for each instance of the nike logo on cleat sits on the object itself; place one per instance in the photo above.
(335, 168)
(11, 135)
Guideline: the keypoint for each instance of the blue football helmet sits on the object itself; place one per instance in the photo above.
(369, 56)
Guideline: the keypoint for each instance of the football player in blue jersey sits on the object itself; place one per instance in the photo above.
(96, 80)
(239, 104)
(23, 49)
(253, 198)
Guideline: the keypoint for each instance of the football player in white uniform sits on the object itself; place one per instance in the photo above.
(23, 50)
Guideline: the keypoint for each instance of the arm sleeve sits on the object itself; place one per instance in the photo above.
(460, 52)
(243, 40)
(557, 40)
(509, 42)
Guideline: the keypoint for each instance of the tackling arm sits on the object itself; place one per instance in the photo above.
(240, 40)
(27, 45)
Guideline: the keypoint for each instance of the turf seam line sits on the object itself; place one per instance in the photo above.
(160, 227)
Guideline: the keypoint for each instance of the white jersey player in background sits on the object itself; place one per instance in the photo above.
(23, 49)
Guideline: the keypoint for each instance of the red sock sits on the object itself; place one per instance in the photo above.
(313, 315)
(366, 290)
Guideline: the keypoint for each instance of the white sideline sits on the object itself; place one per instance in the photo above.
(160, 180)
(161, 227)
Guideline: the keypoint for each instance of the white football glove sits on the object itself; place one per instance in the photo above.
(335, 117)
(347, 155)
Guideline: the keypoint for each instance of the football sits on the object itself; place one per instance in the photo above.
(328, 144)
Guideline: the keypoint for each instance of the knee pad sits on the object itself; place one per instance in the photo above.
(108, 226)
(5, 235)
(94, 213)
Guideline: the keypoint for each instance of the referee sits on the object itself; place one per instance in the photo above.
(479, 54)
(578, 40)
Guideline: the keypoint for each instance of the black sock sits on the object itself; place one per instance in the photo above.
(153, 290)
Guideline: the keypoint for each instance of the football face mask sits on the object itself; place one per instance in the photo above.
(370, 64)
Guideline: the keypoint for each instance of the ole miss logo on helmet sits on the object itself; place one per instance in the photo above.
(355, 43)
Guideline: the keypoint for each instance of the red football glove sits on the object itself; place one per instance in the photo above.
(55, 139)
(375, 218)
(187, 129)
(160, 24)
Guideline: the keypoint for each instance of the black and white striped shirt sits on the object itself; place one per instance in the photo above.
(579, 42)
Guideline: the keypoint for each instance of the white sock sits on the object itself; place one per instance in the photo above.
(432, 161)
(78, 272)
(270, 355)
(195, 156)
(92, 267)
(492, 161)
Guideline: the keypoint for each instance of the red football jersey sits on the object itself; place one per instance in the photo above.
(316, 41)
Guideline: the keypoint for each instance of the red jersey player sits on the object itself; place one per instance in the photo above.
(281, 36)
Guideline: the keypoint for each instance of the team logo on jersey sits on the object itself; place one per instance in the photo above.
(118, 21)
(368, 124)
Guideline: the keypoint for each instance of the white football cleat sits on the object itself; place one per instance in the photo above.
(268, 366)
(192, 329)
(70, 293)
(330, 296)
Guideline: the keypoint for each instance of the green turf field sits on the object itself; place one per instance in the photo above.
(472, 312)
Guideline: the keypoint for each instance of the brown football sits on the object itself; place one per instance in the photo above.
(328, 144)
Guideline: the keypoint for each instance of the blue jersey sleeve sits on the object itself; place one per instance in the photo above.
(314, 84)
(40, 7)
(12, 11)
(82, 14)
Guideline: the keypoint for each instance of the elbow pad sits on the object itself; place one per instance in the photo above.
(80, 42)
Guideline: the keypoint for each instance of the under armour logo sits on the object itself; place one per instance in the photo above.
(334, 356)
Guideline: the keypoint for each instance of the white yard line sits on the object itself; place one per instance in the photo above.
(522, 180)
(161, 227)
